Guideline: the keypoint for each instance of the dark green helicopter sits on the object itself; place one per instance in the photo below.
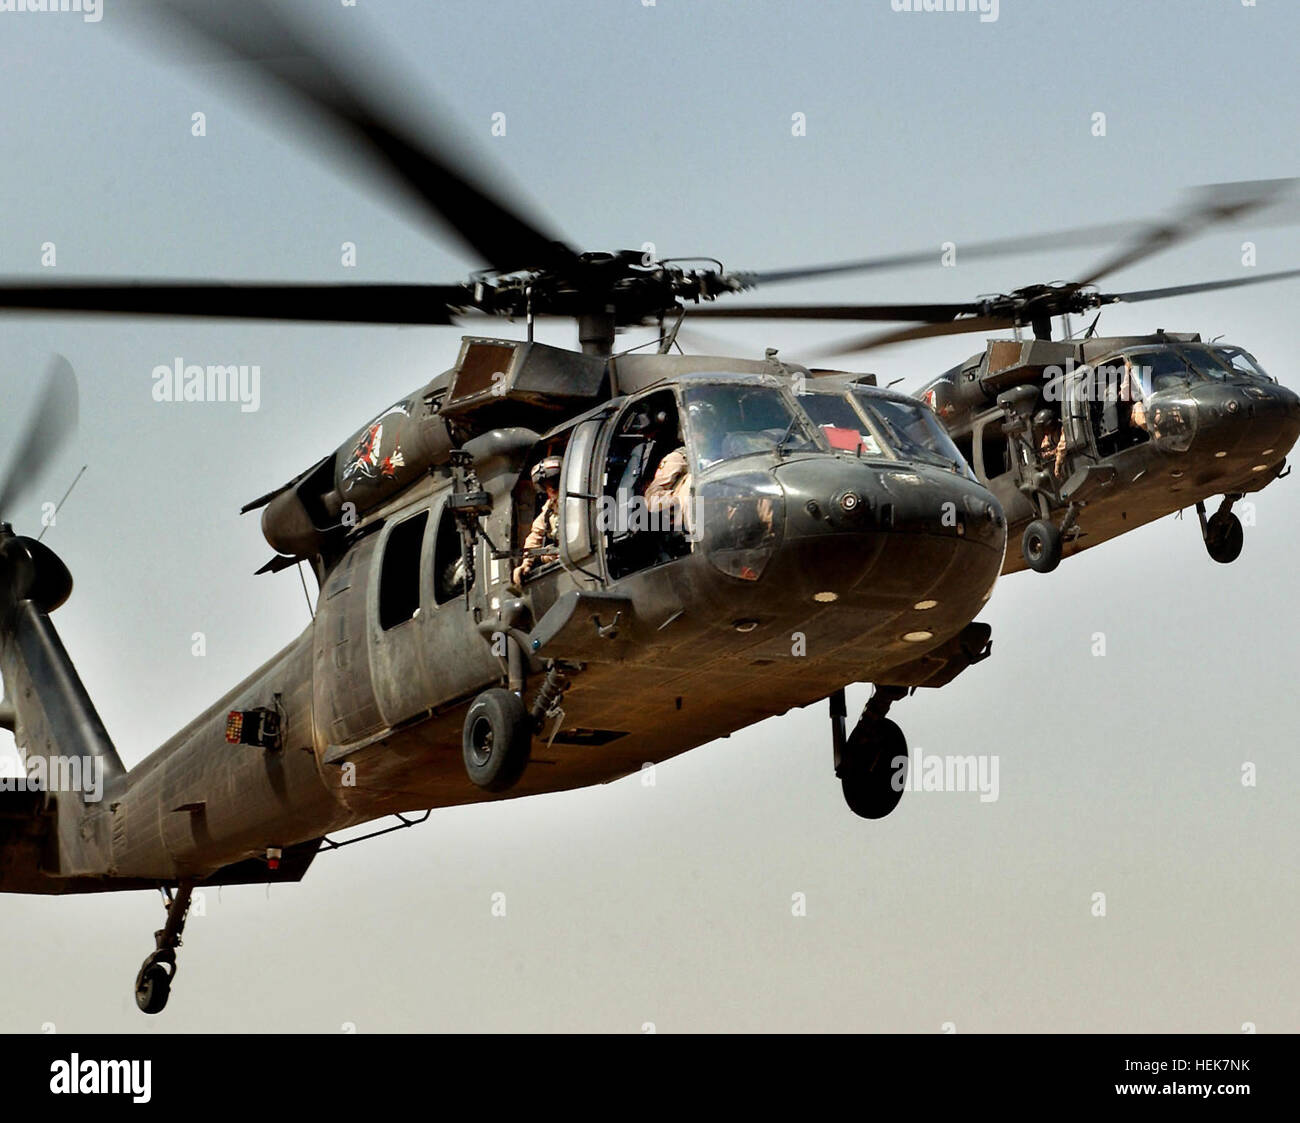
(1083, 439)
(434, 673)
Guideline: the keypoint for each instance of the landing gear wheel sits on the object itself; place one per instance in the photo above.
(1224, 537)
(497, 739)
(153, 986)
(1041, 545)
(870, 771)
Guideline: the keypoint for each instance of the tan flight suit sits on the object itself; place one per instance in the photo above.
(1130, 390)
(1053, 452)
(670, 490)
(544, 531)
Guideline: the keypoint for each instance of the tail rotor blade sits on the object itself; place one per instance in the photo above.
(54, 421)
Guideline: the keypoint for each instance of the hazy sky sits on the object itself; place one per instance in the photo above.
(631, 122)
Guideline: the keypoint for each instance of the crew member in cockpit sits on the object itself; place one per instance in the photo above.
(545, 531)
(668, 493)
(1129, 393)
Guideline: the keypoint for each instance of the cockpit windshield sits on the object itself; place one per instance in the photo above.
(1183, 364)
(912, 430)
(728, 421)
(841, 424)
(1227, 362)
(1139, 373)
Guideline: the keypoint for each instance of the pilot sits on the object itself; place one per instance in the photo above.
(545, 531)
(668, 494)
(1129, 389)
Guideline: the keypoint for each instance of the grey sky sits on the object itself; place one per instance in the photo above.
(671, 124)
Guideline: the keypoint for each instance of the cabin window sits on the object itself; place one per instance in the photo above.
(399, 575)
(994, 451)
(534, 515)
(448, 564)
(966, 446)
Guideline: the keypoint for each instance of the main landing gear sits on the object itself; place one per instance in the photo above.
(497, 739)
(871, 762)
(1043, 541)
(153, 984)
(1222, 531)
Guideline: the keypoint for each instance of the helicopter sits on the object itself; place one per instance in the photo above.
(1083, 439)
(436, 671)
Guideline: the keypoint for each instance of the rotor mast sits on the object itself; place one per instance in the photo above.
(596, 332)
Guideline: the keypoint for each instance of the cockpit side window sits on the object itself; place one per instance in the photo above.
(1118, 388)
(646, 498)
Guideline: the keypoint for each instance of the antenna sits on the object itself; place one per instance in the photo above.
(306, 594)
(59, 506)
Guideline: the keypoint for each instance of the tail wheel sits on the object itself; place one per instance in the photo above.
(1041, 545)
(873, 768)
(1224, 537)
(153, 986)
(497, 740)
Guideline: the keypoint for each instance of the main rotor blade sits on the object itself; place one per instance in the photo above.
(1211, 206)
(930, 313)
(997, 247)
(54, 421)
(490, 227)
(918, 331)
(342, 303)
(1204, 286)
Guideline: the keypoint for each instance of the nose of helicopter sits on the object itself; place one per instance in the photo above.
(1259, 422)
(911, 531)
(838, 496)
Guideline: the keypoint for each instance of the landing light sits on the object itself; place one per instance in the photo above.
(1260, 468)
(826, 598)
(1220, 455)
(918, 637)
(925, 605)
